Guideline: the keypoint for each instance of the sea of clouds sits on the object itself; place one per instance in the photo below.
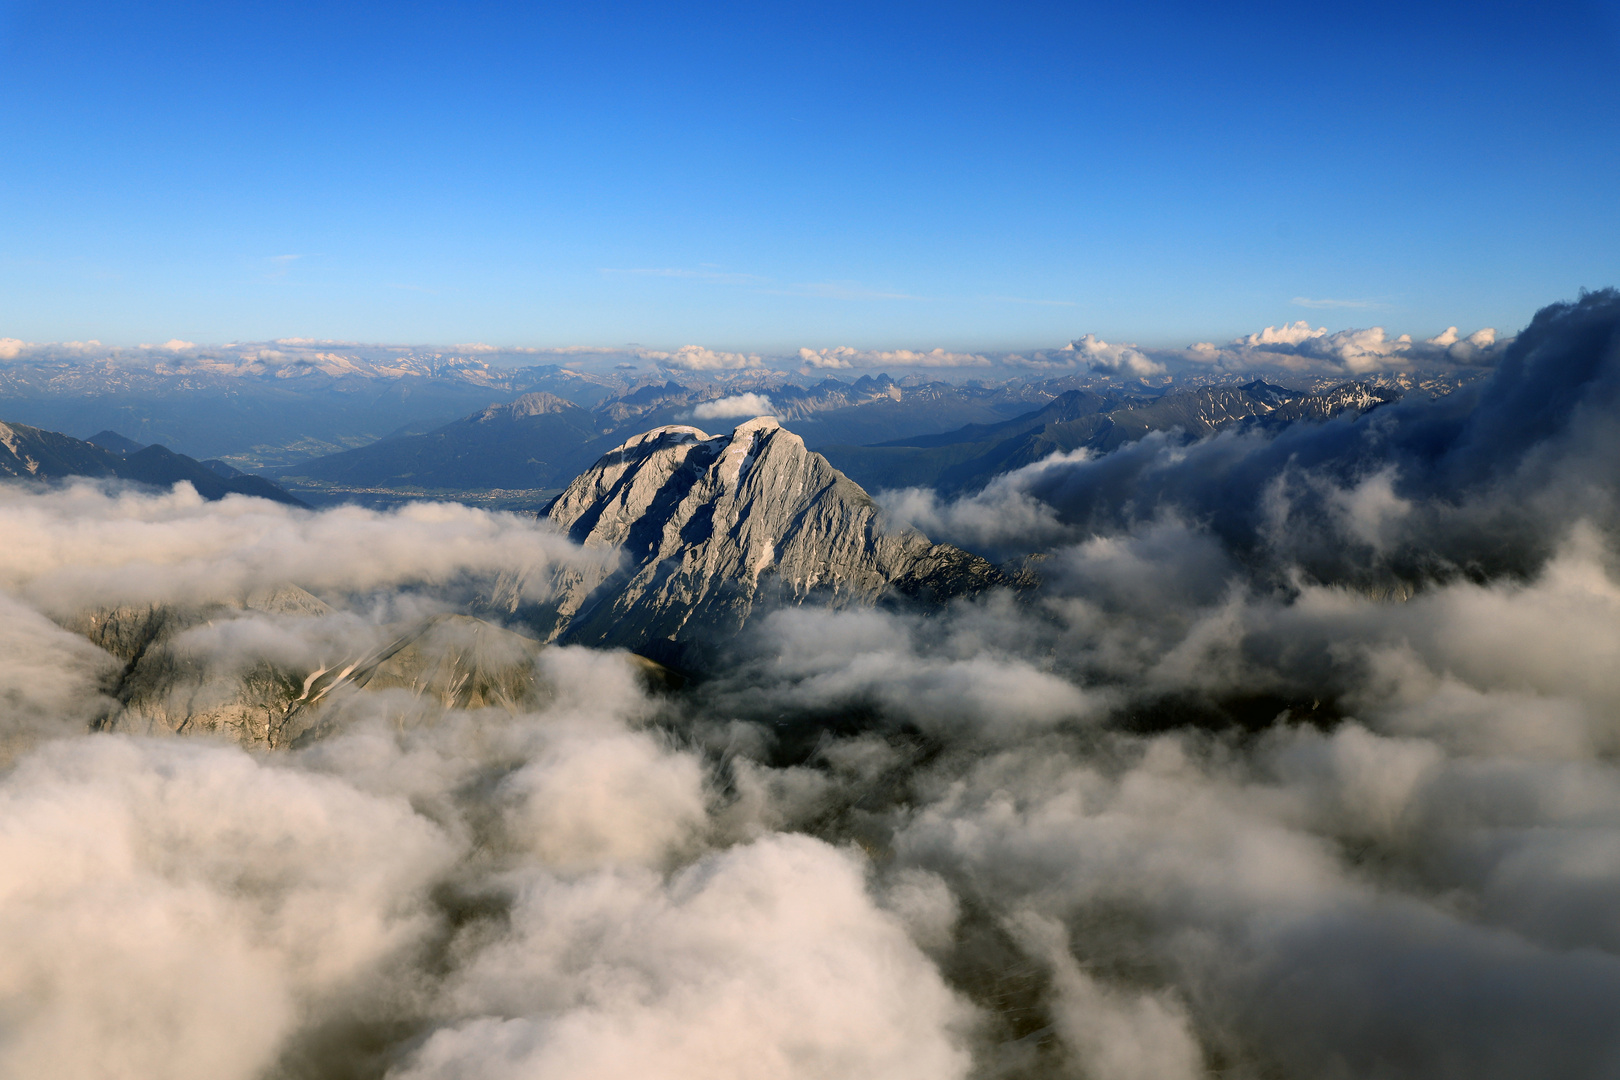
(1299, 762)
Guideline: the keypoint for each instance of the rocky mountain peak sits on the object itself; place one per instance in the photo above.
(711, 526)
(532, 404)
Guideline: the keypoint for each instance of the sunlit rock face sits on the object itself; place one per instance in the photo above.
(711, 527)
(265, 670)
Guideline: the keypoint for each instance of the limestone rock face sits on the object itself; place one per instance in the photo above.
(710, 527)
(171, 686)
(536, 404)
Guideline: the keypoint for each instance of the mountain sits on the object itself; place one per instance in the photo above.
(165, 687)
(111, 440)
(271, 405)
(538, 441)
(868, 409)
(1098, 420)
(31, 453)
(711, 528)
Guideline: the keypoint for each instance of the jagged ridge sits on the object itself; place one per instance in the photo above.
(709, 527)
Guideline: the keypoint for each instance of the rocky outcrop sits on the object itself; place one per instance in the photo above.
(182, 675)
(525, 406)
(712, 527)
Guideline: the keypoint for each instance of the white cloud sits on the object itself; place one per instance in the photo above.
(768, 961)
(736, 405)
(698, 358)
(81, 544)
(1464, 350)
(843, 357)
(14, 349)
(1356, 351)
(1118, 359)
(1288, 334)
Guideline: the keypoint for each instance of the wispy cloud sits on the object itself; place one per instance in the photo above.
(1307, 302)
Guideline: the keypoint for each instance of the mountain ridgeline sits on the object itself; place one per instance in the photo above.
(1099, 420)
(696, 535)
(538, 441)
(882, 433)
(29, 453)
(711, 529)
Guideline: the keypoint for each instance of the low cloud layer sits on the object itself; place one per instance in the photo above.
(1298, 762)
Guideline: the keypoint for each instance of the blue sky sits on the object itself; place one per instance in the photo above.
(768, 176)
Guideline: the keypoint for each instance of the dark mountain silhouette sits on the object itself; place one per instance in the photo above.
(32, 453)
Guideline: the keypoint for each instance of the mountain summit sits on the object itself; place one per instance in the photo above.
(709, 527)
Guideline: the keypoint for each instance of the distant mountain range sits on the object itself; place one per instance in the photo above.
(968, 458)
(29, 453)
(258, 414)
(382, 425)
(538, 443)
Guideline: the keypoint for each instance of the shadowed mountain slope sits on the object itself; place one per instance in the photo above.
(537, 441)
(33, 454)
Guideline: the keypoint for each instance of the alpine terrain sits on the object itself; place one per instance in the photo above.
(711, 528)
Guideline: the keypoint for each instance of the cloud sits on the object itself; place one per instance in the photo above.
(171, 908)
(1295, 757)
(844, 357)
(737, 405)
(698, 358)
(1116, 359)
(1466, 350)
(1299, 347)
(84, 544)
(726, 970)
(15, 349)
(1289, 334)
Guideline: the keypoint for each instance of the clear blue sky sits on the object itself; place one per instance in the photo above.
(765, 176)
